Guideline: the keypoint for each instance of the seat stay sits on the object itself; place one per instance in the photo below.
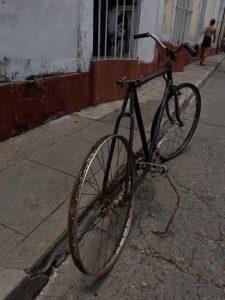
(157, 120)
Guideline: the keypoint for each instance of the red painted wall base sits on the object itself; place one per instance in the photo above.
(25, 105)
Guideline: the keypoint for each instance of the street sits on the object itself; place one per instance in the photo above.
(187, 262)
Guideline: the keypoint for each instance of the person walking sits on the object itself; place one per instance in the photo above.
(209, 36)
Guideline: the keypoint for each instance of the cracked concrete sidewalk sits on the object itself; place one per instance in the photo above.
(37, 172)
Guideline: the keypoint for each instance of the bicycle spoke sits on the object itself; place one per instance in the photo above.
(99, 221)
(95, 180)
(102, 166)
(92, 185)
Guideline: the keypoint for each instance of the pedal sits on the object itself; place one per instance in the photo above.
(154, 169)
(160, 170)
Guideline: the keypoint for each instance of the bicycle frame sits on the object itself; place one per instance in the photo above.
(134, 107)
(131, 94)
(103, 194)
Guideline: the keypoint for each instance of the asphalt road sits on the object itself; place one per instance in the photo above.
(189, 261)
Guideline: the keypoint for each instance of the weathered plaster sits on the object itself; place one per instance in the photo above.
(37, 37)
(149, 22)
(85, 34)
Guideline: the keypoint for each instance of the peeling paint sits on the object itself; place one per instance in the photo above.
(85, 34)
(38, 46)
(3, 69)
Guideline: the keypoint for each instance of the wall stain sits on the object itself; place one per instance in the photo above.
(11, 19)
(3, 69)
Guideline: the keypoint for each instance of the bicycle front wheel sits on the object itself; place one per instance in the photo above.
(101, 208)
(180, 119)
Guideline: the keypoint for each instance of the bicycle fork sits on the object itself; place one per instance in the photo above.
(129, 115)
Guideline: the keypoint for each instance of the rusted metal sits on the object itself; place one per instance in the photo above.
(153, 169)
(108, 204)
(164, 231)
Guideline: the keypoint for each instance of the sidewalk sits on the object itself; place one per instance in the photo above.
(37, 172)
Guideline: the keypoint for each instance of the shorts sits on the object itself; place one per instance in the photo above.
(206, 42)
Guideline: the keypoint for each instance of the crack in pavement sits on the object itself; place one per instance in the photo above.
(186, 269)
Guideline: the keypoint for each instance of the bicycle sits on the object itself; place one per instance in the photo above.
(102, 202)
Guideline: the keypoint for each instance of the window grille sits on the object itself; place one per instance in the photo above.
(115, 23)
(182, 21)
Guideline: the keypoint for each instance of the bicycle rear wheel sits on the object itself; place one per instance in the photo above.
(100, 218)
(180, 119)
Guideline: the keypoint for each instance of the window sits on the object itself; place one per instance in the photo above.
(182, 21)
(115, 23)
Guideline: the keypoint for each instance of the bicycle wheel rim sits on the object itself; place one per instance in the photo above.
(82, 260)
(173, 138)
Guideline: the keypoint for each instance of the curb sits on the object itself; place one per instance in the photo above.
(202, 82)
(36, 278)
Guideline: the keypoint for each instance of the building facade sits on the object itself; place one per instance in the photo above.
(57, 57)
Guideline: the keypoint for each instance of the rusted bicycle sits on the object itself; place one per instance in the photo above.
(102, 201)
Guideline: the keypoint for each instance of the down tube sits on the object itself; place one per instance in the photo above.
(152, 146)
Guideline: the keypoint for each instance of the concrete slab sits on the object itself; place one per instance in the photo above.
(97, 130)
(9, 280)
(214, 113)
(13, 150)
(8, 238)
(8, 159)
(66, 125)
(65, 156)
(97, 112)
(37, 251)
(30, 192)
(197, 74)
(148, 109)
(204, 159)
(111, 119)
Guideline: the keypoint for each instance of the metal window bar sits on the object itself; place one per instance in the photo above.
(181, 26)
(131, 30)
(188, 19)
(106, 27)
(116, 27)
(190, 6)
(177, 22)
(122, 34)
(137, 18)
(182, 20)
(176, 25)
(121, 45)
(99, 26)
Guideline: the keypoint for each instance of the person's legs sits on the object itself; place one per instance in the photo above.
(202, 55)
(206, 54)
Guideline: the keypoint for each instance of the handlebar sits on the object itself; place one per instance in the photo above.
(146, 35)
(186, 46)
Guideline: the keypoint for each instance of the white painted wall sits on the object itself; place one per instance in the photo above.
(151, 15)
(85, 34)
(39, 37)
